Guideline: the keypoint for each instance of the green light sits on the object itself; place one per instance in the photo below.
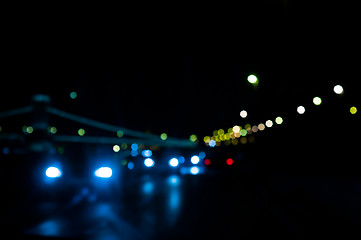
(353, 110)
(193, 138)
(29, 129)
(53, 130)
(81, 132)
(252, 79)
(120, 133)
(317, 101)
(163, 136)
(73, 95)
(279, 120)
(243, 132)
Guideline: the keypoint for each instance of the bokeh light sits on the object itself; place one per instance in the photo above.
(317, 101)
(301, 109)
(353, 110)
(103, 172)
(148, 162)
(116, 148)
(269, 123)
(279, 120)
(252, 79)
(163, 136)
(81, 132)
(53, 172)
(195, 159)
(243, 114)
(338, 89)
(229, 161)
(212, 143)
(173, 162)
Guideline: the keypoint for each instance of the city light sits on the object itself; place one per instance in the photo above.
(147, 153)
(269, 123)
(148, 162)
(338, 89)
(301, 109)
(317, 101)
(173, 162)
(103, 172)
(195, 159)
(53, 172)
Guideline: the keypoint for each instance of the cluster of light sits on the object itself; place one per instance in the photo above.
(103, 172)
(53, 172)
(81, 132)
(301, 109)
(243, 114)
(317, 101)
(148, 162)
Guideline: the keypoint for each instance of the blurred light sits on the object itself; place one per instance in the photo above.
(207, 162)
(6, 150)
(81, 132)
(206, 139)
(174, 180)
(181, 159)
(202, 155)
(301, 109)
(163, 136)
(243, 132)
(73, 95)
(269, 123)
(120, 133)
(353, 110)
(261, 126)
(116, 148)
(229, 161)
(53, 130)
(173, 162)
(103, 172)
(236, 129)
(130, 165)
(243, 140)
(243, 114)
(279, 120)
(124, 162)
(212, 143)
(133, 153)
(317, 101)
(147, 153)
(124, 146)
(148, 187)
(194, 170)
(53, 172)
(193, 138)
(148, 162)
(195, 159)
(254, 129)
(338, 89)
(29, 129)
(134, 147)
(252, 79)
(220, 132)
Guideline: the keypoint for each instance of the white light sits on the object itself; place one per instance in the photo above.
(103, 172)
(173, 162)
(301, 109)
(148, 162)
(252, 79)
(269, 123)
(338, 89)
(147, 153)
(195, 159)
(243, 114)
(53, 172)
(317, 100)
(194, 170)
(212, 143)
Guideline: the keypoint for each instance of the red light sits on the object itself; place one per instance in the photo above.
(229, 161)
(207, 162)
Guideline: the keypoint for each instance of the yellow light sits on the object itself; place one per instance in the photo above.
(206, 139)
(279, 120)
(243, 140)
(220, 132)
(193, 138)
(353, 110)
(317, 100)
(261, 126)
(81, 132)
(247, 126)
(163, 136)
(116, 148)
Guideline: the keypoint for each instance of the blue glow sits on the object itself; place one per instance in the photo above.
(212, 143)
(174, 180)
(195, 159)
(202, 155)
(173, 162)
(148, 162)
(148, 187)
(103, 172)
(194, 170)
(53, 172)
(147, 153)
(134, 147)
(130, 165)
(181, 159)
(133, 153)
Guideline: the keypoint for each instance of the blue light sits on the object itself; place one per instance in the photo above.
(53, 172)
(103, 172)
(194, 170)
(173, 162)
(148, 162)
(195, 159)
(147, 153)
(174, 180)
(212, 143)
(130, 165)
(134, 147)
